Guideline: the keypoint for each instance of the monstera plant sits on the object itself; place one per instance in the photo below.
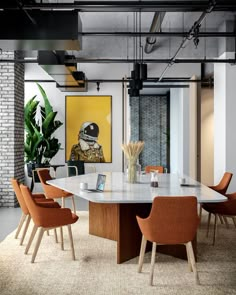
(40, 124)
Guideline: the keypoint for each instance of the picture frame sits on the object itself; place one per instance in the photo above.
(81, 113)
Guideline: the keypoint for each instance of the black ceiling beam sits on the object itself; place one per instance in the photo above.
(129, 6)
(166, 80)
(159, 34)
(117, 60)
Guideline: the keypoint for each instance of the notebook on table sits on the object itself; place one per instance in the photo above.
(100, 184)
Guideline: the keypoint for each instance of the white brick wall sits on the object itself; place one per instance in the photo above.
(11, 127)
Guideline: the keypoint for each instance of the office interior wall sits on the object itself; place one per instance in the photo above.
(207, 136)
(117, 71)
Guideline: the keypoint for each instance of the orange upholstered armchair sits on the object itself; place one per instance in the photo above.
(160, 169)
(26, 217)
(47, 218)
(52, 192)
(220, 188)
(223, 209)
(172, 220)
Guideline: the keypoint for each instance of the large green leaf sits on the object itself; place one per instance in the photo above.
(39, 146)
(47, 105)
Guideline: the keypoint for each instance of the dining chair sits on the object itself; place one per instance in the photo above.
(172, 220)
(220, 188)
(47, 218)
(224, 209)
(148, 169)
(52, 192)
(75, 168)
(25, 216)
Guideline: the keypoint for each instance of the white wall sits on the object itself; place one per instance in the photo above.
(207, 136)
(179, 130)
(225, 121)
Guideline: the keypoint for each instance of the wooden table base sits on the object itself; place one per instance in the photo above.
(118, 222)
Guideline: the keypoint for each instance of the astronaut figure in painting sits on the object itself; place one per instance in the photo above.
(87, 149)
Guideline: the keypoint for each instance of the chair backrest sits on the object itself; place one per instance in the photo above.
(75, 168)
(20, 198)
(172, 220)
(44, 176)
(223, 184)
(148, 169)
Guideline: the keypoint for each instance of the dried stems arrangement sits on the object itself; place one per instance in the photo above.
(132, 151)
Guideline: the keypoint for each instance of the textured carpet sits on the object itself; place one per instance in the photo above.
(95, 270)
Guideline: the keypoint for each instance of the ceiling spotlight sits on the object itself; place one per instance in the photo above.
(98, 86)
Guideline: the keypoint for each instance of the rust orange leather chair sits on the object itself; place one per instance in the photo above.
(220, 188)
(52, 192)
(148, 169)
(46, 219)
(25, 217)
(223, 209)
(172, 220)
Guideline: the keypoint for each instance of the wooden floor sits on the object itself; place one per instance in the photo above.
(118, 222)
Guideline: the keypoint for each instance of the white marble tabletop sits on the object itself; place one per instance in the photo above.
(118, 190)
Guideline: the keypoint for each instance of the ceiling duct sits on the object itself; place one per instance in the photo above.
(155, 27)
(59, 66)
(40, 30)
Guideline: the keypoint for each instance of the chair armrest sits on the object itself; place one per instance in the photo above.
(49, 205)
(38, 196)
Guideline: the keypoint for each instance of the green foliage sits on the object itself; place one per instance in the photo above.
(40, 145)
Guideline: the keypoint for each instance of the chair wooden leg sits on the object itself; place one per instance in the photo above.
(63, 202)
(71, 241)
(73, 204)
(22, 219)
(226, 221)
(215, 226)
(47, 232)
(25, 229)
(55, 234)
(189, 260)
(193, 262)
(208, 224)
(40, 236)
(200, 212)
(62, 240)
(221, 219)
(142, 253)
(234, 221)
(154, 246)
(34, 230)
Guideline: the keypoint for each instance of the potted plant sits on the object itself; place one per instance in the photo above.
(40, 124)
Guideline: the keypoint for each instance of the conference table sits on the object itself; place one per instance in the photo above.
(112, 213)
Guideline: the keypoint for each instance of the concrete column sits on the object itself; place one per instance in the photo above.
(225, 121)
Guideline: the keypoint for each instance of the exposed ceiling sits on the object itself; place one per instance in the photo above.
(102, 21)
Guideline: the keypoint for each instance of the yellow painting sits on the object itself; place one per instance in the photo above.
(88, 129)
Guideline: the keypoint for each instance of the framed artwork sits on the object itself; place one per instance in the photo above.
(88, 128)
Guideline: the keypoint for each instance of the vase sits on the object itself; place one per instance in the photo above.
(132, 173)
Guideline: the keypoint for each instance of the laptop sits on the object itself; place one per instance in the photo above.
(100, 184)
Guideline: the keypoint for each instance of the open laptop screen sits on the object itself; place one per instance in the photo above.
(101, 182)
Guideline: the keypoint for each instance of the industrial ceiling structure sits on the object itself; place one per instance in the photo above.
(135, 32)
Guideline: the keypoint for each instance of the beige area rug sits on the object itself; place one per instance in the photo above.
(95, 270)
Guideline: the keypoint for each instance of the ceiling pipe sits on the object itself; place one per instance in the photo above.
(186, 39)
(95, 60)
(155, 27)
(127, 6)
(158, 34)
